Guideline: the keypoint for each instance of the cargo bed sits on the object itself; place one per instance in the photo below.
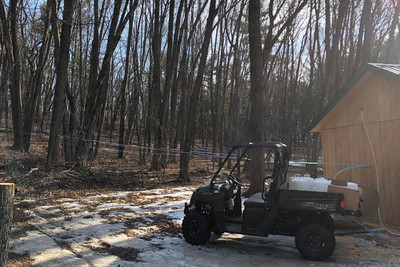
(313, 201)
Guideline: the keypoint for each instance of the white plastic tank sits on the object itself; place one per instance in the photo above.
(351, 185)
(300, 183)
(309, 181)
(292, 181)
(321, 184)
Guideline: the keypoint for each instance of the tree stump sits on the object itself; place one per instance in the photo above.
(6, 208)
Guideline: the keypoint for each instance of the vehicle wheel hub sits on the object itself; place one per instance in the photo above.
(315, 241)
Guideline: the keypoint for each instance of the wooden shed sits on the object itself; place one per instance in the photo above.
(373, 97)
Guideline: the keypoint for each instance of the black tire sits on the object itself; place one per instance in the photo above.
(315, 242)
(330, 224)
(196, 228)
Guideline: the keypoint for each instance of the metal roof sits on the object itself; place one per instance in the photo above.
(391, 71)
(391, 68)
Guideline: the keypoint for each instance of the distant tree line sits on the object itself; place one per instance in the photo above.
(181, 74)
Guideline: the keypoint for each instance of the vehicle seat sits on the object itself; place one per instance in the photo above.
(255, 201)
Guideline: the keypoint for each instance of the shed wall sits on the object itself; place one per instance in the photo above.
(344, 140)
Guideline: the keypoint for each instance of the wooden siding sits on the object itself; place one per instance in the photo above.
(344, 139)
(379, 96)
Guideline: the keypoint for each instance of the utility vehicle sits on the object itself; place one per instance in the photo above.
(276, 210)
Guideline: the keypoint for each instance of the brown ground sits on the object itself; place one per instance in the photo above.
(106, 173)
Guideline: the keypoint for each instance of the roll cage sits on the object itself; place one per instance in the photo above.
(281, 162)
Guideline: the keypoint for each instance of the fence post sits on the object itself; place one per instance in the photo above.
(6, 208)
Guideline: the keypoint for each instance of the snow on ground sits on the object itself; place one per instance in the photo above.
(102, 230)
(142, 228)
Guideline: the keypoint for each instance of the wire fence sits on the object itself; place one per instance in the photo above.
(199, 152)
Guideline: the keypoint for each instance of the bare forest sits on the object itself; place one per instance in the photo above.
(172, 79)
(113, 112)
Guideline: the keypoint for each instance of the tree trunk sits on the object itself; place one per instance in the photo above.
(30, 105)
(192, 108)
(156, 92)
(69, 128)
(214, 99)
(3, 87)
(391, 52)
(181, 83)
(10, 39)
(67, 136)
(332, 58)
(364, 34)
(6, 213)
(366, 52)
(46, 103)
(175, 83)
(236, 84)
(61, 82)
(98, 89)
(170, 65)
(15, 92)
(256, 120)
(124, 87)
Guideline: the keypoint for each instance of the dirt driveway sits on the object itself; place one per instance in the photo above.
(142, 228)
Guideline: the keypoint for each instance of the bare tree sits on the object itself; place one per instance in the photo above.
(99, 83)
(3, 85)
(62, 44)
(257, 108)
(124, 86)
(10, 39)
(192, 108)
(391, 54)
(156, 88)
(34, 88)
(183, 80)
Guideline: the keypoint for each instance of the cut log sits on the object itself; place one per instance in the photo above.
(6, 208)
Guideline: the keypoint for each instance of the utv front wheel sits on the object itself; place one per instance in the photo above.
(196, 228)
(315, 242)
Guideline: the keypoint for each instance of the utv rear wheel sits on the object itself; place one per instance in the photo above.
(196, 228)
(315, 242)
